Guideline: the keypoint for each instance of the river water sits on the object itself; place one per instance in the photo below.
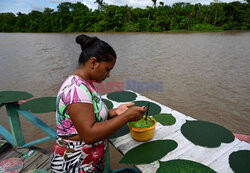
(203, 75)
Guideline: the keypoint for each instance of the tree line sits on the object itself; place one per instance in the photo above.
(77, 17)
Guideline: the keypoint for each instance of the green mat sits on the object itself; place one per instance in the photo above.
(149, 152)
(40, 105)
(14, 96)
(153, 108)
(239, 161)
(121, 132)
(123, 96)
(183, 166)
(108, 103)
(206, 134)
(165, 119)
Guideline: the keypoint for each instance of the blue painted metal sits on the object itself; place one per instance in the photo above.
(16, 137)
(37, 122)
(15, 124)
(37, 141)
(7, 135)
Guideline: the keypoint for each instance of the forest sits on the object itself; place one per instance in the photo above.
(77, 17)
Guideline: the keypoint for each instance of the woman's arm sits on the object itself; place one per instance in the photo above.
(90, 131)
(119, 110)
(112, 113)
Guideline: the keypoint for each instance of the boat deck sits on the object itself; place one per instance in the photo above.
(38, 160)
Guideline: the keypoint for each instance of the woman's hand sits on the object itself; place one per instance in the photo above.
(122, 108)
(135, 113)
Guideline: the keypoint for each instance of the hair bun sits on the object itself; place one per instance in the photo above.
(85, 41)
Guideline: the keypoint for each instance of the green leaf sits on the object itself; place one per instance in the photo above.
(206, 134)
(121, 132)
(239, 161)
(153, 108)
(108, 103)
(123, 96)
(183, 166)
(165, 119)
(40, 105)
(14, 96)
(149, 152)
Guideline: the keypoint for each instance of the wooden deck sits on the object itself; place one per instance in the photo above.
(215, 158)
(39, 160)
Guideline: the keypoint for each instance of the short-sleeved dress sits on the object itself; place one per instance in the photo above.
(77, 156)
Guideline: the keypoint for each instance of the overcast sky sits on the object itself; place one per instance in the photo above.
(26, 6)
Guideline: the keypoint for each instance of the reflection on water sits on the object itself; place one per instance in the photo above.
(203, 75)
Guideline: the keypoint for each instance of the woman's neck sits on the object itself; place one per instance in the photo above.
(82, 74)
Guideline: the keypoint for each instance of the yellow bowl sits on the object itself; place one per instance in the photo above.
(142, 134)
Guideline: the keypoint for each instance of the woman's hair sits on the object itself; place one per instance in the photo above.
(94, 47)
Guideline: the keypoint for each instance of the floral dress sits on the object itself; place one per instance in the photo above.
(77, 156)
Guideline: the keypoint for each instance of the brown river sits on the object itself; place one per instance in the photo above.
(202, 75)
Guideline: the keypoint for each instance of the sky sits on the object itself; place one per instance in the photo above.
(26, 6)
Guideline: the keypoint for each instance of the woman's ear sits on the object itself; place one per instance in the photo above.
(93, 62)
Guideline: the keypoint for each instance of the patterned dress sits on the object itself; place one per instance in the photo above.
(77, 156)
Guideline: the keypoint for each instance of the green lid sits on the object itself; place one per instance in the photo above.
(149, 152)
(185, 166)
(40, 105)
(206, 134)
(108, 103)
(123, 96)
(14, 96)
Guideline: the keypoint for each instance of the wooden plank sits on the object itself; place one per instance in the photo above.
(12, 153)
(217, 152)
(15, 124)
(36, 162)
(199, 154)
(45, 165)
(37, 122)
(221, 164)
(30, 160)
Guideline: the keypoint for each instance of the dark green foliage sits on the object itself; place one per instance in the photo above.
(123, 96)
(40, 105)
(13, 96)
(77, 17)
(206, 134)
(108, 103)
(185, 166)
(149, 152)
(240, 161)
(165, 119)
(153, 108)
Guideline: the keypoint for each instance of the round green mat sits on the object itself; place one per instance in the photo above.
(165, 119)
(14, 96)
(239, 161)
(121, 132)
(153, 108)
(149, 152)
(123, 96)
(40, 105)
(183, 166)
(206, 134)
(108, 103)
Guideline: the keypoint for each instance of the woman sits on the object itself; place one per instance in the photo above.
(83, 121)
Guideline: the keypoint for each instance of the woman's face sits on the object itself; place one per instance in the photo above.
(102, 70)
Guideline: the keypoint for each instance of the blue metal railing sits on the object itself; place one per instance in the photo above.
(16, 137)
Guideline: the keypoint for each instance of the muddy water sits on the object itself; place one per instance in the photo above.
(203, 75)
